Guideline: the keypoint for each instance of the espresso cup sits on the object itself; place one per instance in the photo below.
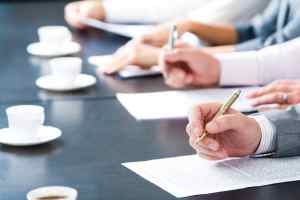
(59, 192)
(65, 70)
(54, 35)
(25, 120)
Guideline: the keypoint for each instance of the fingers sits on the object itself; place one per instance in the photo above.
(116, 64)
(294, 97)
(183, 45)
(278, 86)
(208, 147)
(173, 74)
(177, 78)
(178, 55)
(272, 98)
(72, 15)
(226, 123)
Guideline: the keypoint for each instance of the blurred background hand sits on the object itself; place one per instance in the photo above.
(189, 66)
(76, 11)
(133, 53)
(283, 92)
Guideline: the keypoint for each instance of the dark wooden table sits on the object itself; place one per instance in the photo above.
(98, 133)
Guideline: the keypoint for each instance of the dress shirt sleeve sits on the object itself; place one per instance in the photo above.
(228, 11)
(261, 67)
(268, 137)
(149, 11)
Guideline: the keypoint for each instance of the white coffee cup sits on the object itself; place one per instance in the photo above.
(54, 35)
(67, 192)
(25, 120)
(65, 70)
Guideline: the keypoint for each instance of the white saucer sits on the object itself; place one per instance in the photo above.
(49, 83)
(46, 50)
(45, 135)
(53, 191)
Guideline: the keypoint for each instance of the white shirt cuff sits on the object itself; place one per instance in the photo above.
(268, 135)
(240, 68)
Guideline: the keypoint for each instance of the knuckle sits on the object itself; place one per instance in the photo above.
(188, 129)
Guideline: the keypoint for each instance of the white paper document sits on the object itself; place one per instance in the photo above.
(130, 71)
(125, 30)
(191, 175)
(176, 104)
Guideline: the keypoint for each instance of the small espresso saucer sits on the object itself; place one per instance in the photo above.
(51, 192)
(50, 83)
(45, 135)
(46, 50)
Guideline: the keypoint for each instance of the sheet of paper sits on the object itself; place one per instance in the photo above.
(129, 31)
(191, 175)
(176, 104)
(130, 71)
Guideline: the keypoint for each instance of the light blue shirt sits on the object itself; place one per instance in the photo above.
(280, 22)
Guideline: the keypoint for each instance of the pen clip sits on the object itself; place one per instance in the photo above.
(172, 37)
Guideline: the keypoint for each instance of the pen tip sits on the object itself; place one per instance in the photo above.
(238, 92)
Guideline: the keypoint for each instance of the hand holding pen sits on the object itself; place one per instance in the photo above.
(217, 138)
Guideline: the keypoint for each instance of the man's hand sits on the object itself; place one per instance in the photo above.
(133, 53)
(283, 92)
(231, 135)
(189, 66)
(76, 11)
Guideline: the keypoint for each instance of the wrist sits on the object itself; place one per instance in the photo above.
(184, 26)
(216, 65)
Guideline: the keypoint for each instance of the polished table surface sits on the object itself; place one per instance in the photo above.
(19, 71)
(98, 133)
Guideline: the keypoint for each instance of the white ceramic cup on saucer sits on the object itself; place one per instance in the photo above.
(65, 70)
(66, 193)
(25, 120)
(54, 34)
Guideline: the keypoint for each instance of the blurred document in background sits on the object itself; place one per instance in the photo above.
(125, 30)
(176, 104)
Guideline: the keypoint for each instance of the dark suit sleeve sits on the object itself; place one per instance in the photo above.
(287, 124)
(261, 27)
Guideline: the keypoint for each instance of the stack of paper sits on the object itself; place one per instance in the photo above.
(130, 71)
(129, 31)
(176, 104)
(190, 175)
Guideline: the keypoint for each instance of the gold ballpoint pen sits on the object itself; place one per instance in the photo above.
(224, 108)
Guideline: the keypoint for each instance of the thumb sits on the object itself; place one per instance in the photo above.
(226, 123)
(182, 45)
(178, 55)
